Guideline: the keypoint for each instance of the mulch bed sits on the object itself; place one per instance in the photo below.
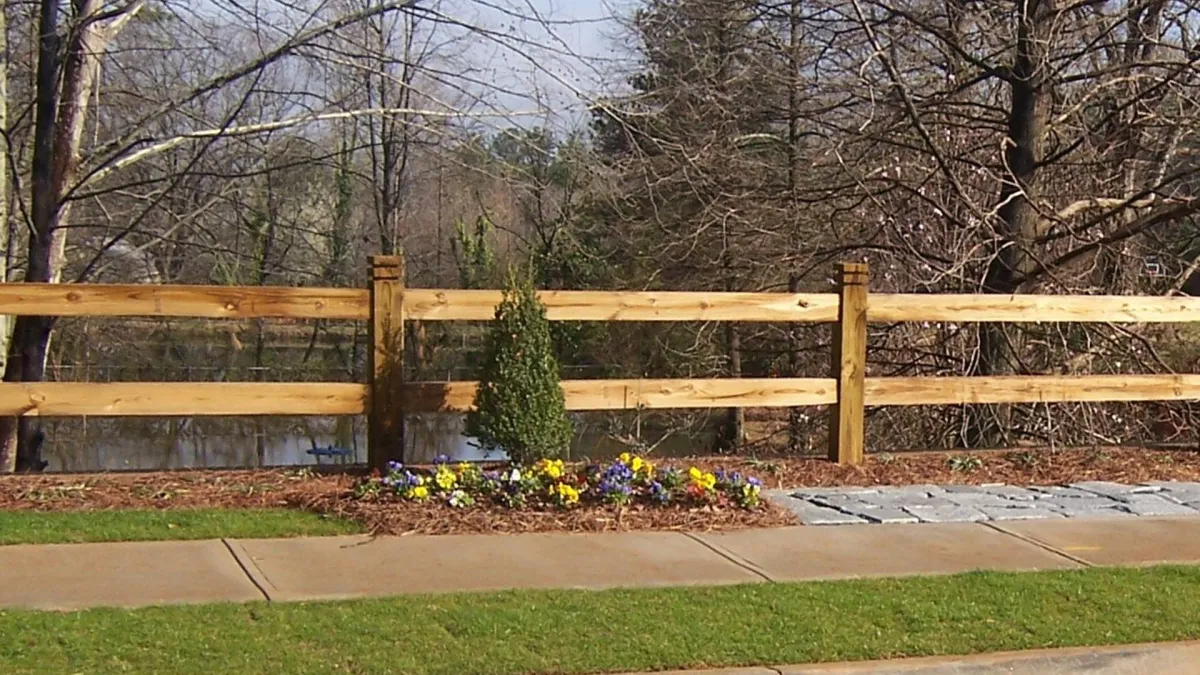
(397, 517)
(330, 493)
(190, 489)
(1016, 467)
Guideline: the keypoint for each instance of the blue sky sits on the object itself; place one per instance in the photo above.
(563, 52)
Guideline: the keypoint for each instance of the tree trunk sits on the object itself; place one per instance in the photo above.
(734, 432)
(8, 454)
(1019, 226)
(27, 349)
(735, 419)
(58, 131)
(797, 431)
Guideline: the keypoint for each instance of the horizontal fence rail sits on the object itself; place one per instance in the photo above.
(896, 391)
(422, 397)
(206, 302)
(261, 302)
(181, 399)
(187, 399)
(644, 394)
(452, 305)
(899, 308)
(387, 304)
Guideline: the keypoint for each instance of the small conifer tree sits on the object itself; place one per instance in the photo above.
(519, 407)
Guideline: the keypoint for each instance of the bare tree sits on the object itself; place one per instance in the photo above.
(65, 80)
(170, 143)
(959, 146)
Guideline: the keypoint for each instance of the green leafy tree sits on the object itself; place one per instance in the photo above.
(519, 407)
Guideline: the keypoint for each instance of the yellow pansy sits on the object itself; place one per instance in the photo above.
(553, 468)
(625, 458)
(445, 478)
(566, 493)
(637, 464)
(701, 479)
(420, 492)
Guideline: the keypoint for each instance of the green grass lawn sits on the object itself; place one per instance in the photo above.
(32, 527)
(584, 632)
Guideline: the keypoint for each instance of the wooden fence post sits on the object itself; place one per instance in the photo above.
(385, 411)
(847, 420)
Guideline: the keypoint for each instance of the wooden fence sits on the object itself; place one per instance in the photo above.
(387, 304)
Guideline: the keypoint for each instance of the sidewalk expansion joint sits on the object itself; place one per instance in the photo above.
(242, 566)
(1040, 544)
(740, 562)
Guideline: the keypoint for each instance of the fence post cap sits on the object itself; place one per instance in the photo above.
(385, 260)
(852, 273)
(386, 267)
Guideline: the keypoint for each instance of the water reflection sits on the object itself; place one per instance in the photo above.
(117, 444)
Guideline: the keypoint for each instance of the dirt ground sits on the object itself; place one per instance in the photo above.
(330, 493)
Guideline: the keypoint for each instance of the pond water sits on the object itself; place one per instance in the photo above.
(145, 444)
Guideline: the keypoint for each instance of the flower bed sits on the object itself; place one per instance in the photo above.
(629, 480)
(341, 493)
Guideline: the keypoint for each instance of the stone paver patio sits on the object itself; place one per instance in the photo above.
(976, 503)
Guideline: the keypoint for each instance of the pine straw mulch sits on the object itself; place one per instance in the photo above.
(187, 489)
(331, 493)
(397, 517)
(1034, 466)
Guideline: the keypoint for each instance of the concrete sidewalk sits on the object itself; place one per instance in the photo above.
(1151, 659)
(74, 576)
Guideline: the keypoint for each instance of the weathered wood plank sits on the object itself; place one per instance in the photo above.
(473, 305)
(847, 432)
(336, 398)
(242, 302)
(886, 308)
(211, 302)
(385, 423)
(1030, 389)
(647, 394)
(181, 399)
